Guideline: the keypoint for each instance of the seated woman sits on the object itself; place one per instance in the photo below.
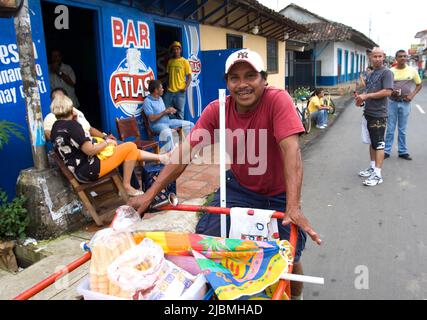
(80, 155)
(318, 111)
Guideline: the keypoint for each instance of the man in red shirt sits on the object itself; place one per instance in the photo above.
(261, 121)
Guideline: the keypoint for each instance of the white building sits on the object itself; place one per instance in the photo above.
(334, 53)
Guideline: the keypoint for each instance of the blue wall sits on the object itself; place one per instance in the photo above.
(113, 71)
(16, 155)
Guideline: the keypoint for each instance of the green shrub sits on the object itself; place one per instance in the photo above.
(8, 129)
(13, 217)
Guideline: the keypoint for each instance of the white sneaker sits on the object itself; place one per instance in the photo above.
(320, 127)
(367, 172)
(373, 181)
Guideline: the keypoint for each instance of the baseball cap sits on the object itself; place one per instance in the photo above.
(245, 55)
(175, 44)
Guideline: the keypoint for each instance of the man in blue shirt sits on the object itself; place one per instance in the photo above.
(158, 115)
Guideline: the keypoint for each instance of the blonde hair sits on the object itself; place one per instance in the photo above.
(61, 106)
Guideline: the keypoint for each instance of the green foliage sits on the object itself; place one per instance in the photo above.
(301, 92)
(13, 217)
(8, 129)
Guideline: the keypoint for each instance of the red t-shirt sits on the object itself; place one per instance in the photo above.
(253, 138)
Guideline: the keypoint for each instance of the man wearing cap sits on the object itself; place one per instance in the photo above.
(179, 78)
(407, 84)
(263, 120)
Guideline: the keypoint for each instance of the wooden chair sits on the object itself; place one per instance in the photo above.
(85, 191)
(153, 135)
(128, 128)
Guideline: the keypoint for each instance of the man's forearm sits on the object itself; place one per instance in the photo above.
(168, 175)
(156, 117)
(172, 171)
(293, 172)
(417, 89)
(379, 95)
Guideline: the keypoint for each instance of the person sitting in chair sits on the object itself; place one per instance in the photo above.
(158, 115)
(82, 156)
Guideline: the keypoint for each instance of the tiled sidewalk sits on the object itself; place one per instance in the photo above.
(201, 177)
(198, 181)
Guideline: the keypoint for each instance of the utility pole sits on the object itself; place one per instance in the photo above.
(370, 26)
(29, 80)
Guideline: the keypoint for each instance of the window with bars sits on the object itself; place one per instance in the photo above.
(234, 41)
(272, 56)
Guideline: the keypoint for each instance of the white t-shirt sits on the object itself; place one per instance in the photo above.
(57, 82)
(50, 119)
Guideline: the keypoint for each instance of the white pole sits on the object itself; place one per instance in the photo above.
(222, 159)
(299, 278)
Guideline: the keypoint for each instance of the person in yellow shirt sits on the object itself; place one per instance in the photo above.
(407, 84)
(179, 78)
(318, 110)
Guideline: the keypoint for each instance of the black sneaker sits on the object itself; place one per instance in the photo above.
(405, 156)
(386, 156)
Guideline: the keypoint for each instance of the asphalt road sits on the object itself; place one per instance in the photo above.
(375, 238)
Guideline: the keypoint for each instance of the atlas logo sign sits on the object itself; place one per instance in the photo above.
(129, 83)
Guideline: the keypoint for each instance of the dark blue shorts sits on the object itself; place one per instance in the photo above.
(239, 196)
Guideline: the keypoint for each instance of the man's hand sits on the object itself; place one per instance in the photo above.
(360, 98)
(170, 110)
(140, 203)
(408, 98)
(294, 215)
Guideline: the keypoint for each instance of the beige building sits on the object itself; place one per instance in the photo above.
(248, 24)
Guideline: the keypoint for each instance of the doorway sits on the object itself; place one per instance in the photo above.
(165, 35)
(77, 45)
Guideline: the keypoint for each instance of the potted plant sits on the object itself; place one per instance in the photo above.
(13, 215)
(301, 93)
(13, 223)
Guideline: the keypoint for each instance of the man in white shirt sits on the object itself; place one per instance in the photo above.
(50, 119)
(61, 75)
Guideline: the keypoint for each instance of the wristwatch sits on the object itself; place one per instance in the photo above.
(104, 135)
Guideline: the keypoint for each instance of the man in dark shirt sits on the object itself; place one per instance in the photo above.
(379, 86)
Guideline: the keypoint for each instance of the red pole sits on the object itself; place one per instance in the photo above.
(212, 210)
(51, 279)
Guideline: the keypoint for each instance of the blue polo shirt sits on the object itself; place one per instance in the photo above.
(153, 106)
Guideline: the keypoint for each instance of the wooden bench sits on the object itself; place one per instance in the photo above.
(86, 191)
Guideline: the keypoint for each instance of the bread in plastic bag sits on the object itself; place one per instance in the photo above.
(106, 245)
(143, 273)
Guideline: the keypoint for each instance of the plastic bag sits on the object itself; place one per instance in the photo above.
(106, 152)
(144, 274)
(106, 245)
(126, 219)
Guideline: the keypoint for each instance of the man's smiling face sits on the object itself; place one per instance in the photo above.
(246, 86)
